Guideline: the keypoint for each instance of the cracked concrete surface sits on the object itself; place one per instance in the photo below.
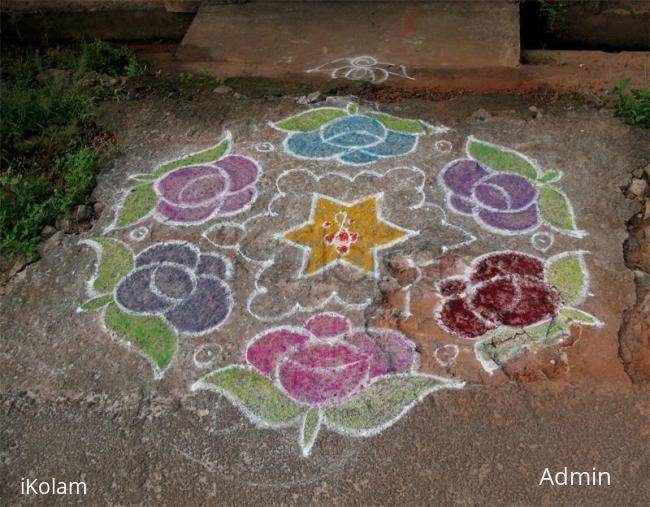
(78, 406)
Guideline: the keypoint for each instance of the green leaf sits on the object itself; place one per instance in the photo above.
(144, 177)
(556, 210)
(501, 159)
(140, 200)
(151, 335)
(382, 403)
(550, 176)
(575, 315)
(499, 347)
(115, 261)
(96, 303)
(352, 108)
(567, 272)
(309, 430)
(398, 124)
(310, 120)
(254, 394)
(210, 155)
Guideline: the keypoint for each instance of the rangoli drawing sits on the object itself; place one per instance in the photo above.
(514, 298)
(344, 232)
(351, 137)
(168, 290)
(327, 238)
(362, 68)
(323, 238)
(353, 381)
(193, 189)
(506, 192)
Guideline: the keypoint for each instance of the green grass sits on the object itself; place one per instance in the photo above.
(552, 10)
(203, 78)
(48, 100)
(632, 106)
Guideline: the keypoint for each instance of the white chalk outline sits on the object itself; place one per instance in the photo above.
(139, 233)
(205, 364)
(429, 129)
(491, 366)
(476, 208)
(156, 215)
(358, 67)
(334, 297)
(306, 447)
(448, 146)
(445, 383)
(264, 147)
(450, 361)
(535, 238)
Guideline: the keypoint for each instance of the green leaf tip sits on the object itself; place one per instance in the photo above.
(311, 120)
(254, 394)
(383, 402)
(550, 176)
(150, 335)
(580, 317)
(556, 210)
(115, 261)
(202, 157)
(309, 430)
(96, 303)
(399, 124)
(501, 159)
(567, 273)
(139, 202)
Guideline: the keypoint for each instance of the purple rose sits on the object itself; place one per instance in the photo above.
(325, 361)
(503, 202)
(196, 193)
(179, 283)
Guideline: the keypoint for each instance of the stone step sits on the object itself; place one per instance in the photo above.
(356, 39)
(115, 20)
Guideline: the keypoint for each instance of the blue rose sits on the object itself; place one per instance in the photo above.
(355, 139)
(176, 281)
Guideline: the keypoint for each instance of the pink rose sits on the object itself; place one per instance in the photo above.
(325, 361)
(196, 193)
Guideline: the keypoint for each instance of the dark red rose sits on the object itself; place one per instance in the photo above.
(504, 288)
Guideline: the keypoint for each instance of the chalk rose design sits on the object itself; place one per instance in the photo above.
(179, 283)
(356, 382)
(349, 136)
(504, 202)
(504, 292)
(167, 290)
(194, 193)
(194, 189)
(502, 289)
(506, 192)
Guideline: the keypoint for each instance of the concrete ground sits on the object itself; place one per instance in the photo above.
(77, 404)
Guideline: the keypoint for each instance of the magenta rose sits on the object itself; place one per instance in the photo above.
(325, 361)
(196, 193)
(503, 288)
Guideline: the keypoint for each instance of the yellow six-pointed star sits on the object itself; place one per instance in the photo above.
(340, 231)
